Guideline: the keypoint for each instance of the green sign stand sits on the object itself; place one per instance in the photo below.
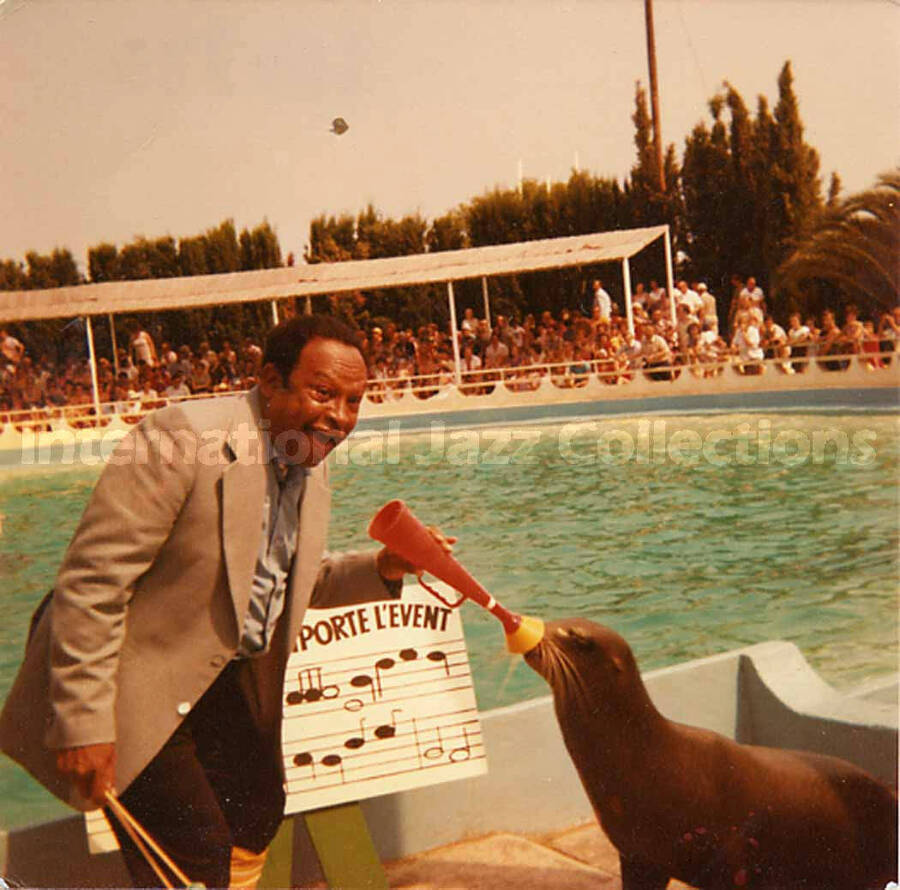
(346, 852)
(276, 873)
(343, 844)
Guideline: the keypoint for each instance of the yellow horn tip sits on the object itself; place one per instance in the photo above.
(526, 636)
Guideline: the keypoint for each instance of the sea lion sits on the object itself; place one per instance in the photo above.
(686, 803)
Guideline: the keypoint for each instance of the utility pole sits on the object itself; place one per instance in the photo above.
(654, 93)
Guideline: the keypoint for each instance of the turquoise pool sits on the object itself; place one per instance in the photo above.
(688, 535)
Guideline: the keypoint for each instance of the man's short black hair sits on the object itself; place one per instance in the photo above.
(286, 341)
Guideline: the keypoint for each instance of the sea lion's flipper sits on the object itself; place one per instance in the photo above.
(640, 875)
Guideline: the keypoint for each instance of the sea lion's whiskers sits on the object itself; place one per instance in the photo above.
(573, 677)
(561, 672)
(513, 664)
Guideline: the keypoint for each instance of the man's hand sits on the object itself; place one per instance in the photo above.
(392, 567)
(91, 768)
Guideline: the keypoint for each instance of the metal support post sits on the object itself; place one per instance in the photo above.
(626, 278)
(93, 362)
(457, 375)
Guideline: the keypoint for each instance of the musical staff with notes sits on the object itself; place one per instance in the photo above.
(389, 708)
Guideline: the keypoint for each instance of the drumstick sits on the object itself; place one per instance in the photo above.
(148, 856)
(126, 817)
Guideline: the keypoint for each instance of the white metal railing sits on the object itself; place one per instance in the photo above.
(576, 373)
(572, 374)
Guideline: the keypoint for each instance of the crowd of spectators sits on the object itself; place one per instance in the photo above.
(141, 378)
(568, 348)
(572, 345)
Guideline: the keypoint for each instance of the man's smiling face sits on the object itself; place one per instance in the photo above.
(316, 408)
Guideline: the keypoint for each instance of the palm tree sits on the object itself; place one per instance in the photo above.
(851, 252)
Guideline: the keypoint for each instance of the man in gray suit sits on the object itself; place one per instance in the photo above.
(157, 668)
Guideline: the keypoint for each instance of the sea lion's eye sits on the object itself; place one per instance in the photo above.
(581, 641)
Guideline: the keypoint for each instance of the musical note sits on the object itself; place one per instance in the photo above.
(388, 730)
(437, 655)
(315, 690)
(361, 681)
(435, 751)
(353, 704)
(355, 742)
(383, 664)
(331, 760)
(305, 759)
(466, 749)
(408, 655)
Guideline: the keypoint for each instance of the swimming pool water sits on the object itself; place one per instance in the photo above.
(732, 535)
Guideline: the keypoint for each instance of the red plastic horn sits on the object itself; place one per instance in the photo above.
(400, 531)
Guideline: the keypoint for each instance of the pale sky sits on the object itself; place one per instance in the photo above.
(151, 118)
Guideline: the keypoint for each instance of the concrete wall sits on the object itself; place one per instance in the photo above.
(783, 703)
(764, 694)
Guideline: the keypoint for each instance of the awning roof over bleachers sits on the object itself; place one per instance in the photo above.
(324, 278)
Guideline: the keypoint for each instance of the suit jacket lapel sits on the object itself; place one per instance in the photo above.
(314, 512)
(243, 496)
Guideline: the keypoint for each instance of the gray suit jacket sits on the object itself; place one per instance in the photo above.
(150, 599)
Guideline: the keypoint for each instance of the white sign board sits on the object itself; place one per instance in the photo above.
(379, 699)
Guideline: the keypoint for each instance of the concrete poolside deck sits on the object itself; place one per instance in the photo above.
(579, 858)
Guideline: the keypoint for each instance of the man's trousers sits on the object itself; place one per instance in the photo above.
(214, 785)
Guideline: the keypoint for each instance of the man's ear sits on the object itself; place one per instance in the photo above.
(269, 380)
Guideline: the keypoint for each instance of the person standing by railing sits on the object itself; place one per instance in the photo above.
(496, 353)
(708, 314)
(140, 345)
(831, 342)
(177, 388)
(852, 333)
(889, 330)
(655, 353)
(775, 343)
(200, 379)
(754, 295)
(746, 345)
(872, 346)
(799, 339)
(601, 299)
(470, 364)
